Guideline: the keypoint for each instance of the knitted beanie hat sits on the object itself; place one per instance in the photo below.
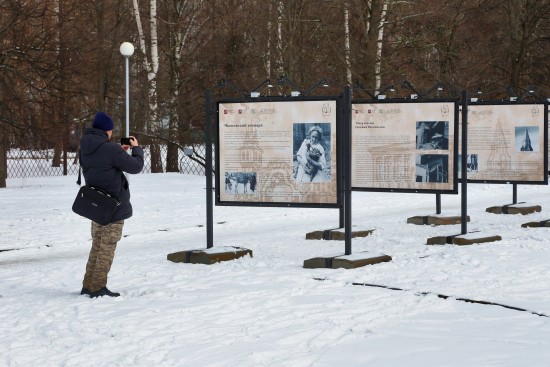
(102, 121)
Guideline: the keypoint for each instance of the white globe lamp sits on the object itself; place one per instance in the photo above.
(127, 50)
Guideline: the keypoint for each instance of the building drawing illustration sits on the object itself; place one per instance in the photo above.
(499, 160)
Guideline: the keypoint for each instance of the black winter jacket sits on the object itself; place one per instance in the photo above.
(102, 165)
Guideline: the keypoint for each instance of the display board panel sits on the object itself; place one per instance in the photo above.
(277, 153)
(548, 132)
(507, 143)
(404, 146)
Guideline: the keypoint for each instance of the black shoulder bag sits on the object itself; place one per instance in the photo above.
(94, 203)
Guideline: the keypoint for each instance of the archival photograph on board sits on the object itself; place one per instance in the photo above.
(527, 138)
(472, 165)
(311, 152)
(277, 153)
(432, 135)
(432, 168)
(240, 182)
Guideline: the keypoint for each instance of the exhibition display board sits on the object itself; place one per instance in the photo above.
(548, 130)
(405, 146)
(507, 143)
(277, 153)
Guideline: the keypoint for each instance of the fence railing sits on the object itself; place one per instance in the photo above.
(37, 163)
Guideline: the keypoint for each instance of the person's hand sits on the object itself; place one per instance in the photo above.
(133, 143)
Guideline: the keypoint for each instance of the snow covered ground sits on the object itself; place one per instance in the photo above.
(268, 310)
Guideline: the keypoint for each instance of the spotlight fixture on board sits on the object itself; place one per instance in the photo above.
(381, 94)
(296, 90)
(321, 83)
(407, 85)
(223, 83)
(512, 93)
(254, 93)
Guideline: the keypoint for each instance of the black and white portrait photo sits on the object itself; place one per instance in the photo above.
(432, 135)
(311, 152)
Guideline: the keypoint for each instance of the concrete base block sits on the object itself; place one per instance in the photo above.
(346, 261)
(439, 240)
(469, 240)
(519, 208)
(463, 239)
(543, 223)
(336, 234)
(352, 263)
(436, 220)
(209, 256)
(318, 262)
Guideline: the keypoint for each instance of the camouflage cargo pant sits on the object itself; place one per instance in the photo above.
(104, 241)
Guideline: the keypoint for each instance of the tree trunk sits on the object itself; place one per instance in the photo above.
(172, 158)
(347, 50)
(3, 159)
(152, 67)
(370, 54)
(58, 144)
(101, 63)
(58, 131)
(379, 44)
(156, 163)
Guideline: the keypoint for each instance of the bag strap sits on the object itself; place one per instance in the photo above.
(123, 184)
(79, 181)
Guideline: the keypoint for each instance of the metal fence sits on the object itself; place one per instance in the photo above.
(37, 163)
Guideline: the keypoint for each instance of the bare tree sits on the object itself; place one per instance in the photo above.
(22, 77)
(367, 23)
(61, 129)
(184, 22)
(148, 44)
(528, 33)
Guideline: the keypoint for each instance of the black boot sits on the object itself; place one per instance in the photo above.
(103, 292)
(85, 291)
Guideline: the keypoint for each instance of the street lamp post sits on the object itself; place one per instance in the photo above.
(127, 50)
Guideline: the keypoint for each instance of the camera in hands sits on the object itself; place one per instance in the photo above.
(125, 141)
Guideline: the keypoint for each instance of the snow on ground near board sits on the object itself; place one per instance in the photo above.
(267, 310)
(521, 205)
